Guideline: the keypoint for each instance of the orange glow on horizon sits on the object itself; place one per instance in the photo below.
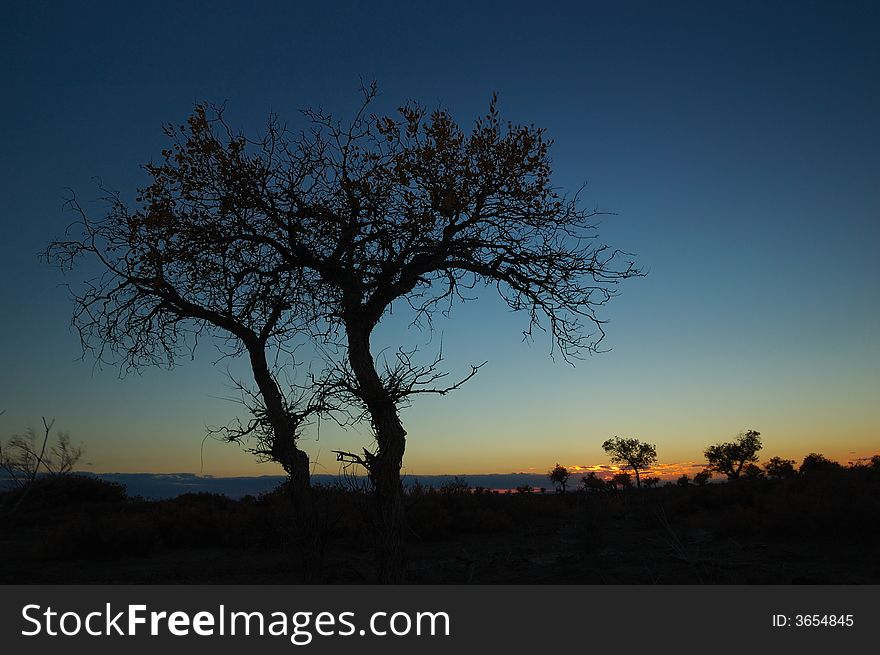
(668, 471)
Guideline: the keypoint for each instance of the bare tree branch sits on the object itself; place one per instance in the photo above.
(316, 235)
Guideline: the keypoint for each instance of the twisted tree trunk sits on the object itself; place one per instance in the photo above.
(295, 463)
(384, 466)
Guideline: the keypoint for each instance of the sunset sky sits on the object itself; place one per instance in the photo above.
(738, 145)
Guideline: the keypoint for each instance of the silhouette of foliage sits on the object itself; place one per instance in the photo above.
(701, 478)
(592, 482)
(651, 481)
(24, 456)
(79, 529)
(316, 235)
(730, 457)
(622, 480)
(632, 452)
(752, 471)
(559, 476)
(456, 486)
(67, 490)
(779, 468)
(816, 463)
(683, 481)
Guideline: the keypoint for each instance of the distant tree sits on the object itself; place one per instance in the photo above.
(730, 457)
(524, 489)
(417, 489)
(24, 457)
(752, 471)
(702, 477)
(875, 461)
(683, 481)
(591, 482)
(559, 476)
(458, 486)
(779, 468)
(622, 480)
(651, 481)
(314, 236)
(632, 452)
(817, 463)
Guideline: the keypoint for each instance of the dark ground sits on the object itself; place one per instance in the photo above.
(822, 528)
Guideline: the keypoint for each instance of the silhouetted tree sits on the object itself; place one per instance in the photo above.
(319, 234)
(875, 461)
(730, 457)
(651, 481)
(752, 471)
(458, 486)
(632, 452)
(780, 468)
(192, 261)
(702, 477)
(591, 482)
(559, 475)
(683, 481)
(817, 463)
(24, 457)
(622, 480)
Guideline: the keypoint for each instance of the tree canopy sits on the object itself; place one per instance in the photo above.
(730, 457)
(780, 468)
(559, 475)
(817, 463)
(315, 235)
(632, 452)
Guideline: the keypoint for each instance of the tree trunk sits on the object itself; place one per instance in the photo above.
(295, 463)
(384, 466)
(638, 480)
(308, 531)
(388, 489)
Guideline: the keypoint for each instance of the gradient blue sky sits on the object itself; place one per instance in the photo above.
(738, 143)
